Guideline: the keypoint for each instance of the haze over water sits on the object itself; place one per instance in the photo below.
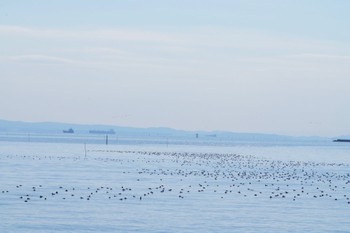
(199, 94)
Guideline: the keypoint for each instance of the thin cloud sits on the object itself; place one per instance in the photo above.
(40, 59)
(88, 34)
(322, 56)
(185, 40)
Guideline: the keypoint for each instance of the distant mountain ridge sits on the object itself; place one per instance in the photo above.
(57, 128)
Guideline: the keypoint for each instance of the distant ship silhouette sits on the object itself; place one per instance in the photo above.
(68, 131)
(341, 140)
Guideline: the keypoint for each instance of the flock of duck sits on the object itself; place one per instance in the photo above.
(150, 175)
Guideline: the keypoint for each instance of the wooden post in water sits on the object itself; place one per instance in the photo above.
(85, 150)
(106, 139)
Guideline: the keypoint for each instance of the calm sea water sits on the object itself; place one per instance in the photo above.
(174, 187)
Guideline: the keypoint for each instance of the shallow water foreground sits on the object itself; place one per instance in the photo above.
(55, 188)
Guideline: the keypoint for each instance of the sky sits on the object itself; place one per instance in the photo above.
(272, 66)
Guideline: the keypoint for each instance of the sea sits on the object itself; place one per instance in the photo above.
(84, 183)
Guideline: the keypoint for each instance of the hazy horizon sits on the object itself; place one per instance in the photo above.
(279, 67)
(79, 127)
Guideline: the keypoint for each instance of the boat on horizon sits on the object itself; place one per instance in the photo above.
(68, 131)
(341, 140)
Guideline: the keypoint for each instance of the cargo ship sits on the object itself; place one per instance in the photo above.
(68, 131)
(341, 140)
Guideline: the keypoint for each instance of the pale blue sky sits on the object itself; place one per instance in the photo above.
(274, 66)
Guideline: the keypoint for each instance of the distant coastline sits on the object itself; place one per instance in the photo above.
(124, 131)
(111, 131)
